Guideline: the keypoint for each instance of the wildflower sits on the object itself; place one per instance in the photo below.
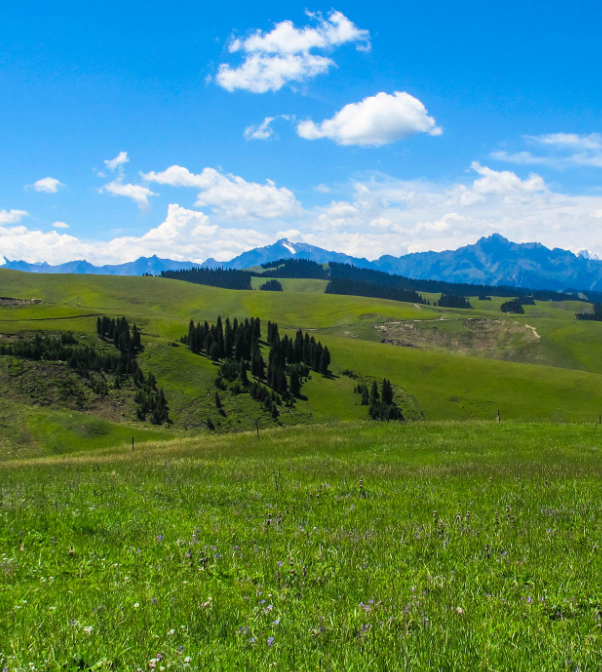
(159, 537)
(187, 659)
(252, 640)
(88, 629)
(459, 611)
(180, 649)
(136, 605)
(270, 641)
(277, 622)
(154, 600)
(171, 632)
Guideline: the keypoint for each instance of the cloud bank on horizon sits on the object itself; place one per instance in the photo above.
(383, 215)
(364, 213)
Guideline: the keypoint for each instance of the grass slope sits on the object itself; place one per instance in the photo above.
(433, 381)
(345, 547)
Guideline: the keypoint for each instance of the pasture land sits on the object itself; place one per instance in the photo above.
(355, 546)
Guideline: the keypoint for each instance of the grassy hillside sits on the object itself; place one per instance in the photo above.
(429, 546)
(456, 364)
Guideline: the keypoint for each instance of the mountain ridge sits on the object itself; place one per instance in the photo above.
(492, 260)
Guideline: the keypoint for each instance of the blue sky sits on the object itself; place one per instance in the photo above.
(132, 129)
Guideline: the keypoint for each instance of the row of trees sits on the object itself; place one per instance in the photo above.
(357, 288)
(596, 316)
(453, 301)
(214, 277)
(381, 405)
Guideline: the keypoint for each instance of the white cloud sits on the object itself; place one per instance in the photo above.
(376, 120)
(334, 31)
(134, 191)
(261, 131)
(573, 140)
(260, 73)
(390, 216)
(264, 131)
(565, 150)
(185, 235)
(323, 189)
(118, 162)
(283, 55)
(48, 185)
(60, 225)
(12, 216)
(231, 196)
(381, 215)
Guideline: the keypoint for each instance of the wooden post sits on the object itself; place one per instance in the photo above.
(132, 444)
(499, 418)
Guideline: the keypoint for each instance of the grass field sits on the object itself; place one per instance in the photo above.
(541, 366)
(358, 546)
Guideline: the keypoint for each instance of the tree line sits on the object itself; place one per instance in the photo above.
(453, 301)
(214, 277)
(347, 287)
(596, 316)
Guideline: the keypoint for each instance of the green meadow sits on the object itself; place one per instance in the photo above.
(348, 546)
(317, 540)
(445, 364)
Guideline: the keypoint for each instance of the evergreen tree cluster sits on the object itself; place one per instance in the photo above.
(214, 277)
(84, 359)
(453, 301)
(356, 288)
(271, 286)
(596, 316)
(118, 332)
(236, 345)
(381, 405)
(295, 357)
(151, 400)
(230, 340)
(512, 306)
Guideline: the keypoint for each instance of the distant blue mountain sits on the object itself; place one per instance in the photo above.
(497, 261)
(152, 265)
(490, 261)
(284, 249)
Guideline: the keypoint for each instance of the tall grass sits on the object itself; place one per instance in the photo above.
(343, 547)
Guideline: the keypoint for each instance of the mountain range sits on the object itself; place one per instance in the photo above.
(153, 265)
(492, 260)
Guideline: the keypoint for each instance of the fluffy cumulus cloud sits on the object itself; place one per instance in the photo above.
(136, 192)
(47, 185)
(390, 216)
(561, 150)
(378, 215)
(283, 55)
(186, 235)
(376, 120)
(11, 216)
(231, 197)
(60, 225)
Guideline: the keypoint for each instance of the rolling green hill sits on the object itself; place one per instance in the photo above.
(444, 363)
